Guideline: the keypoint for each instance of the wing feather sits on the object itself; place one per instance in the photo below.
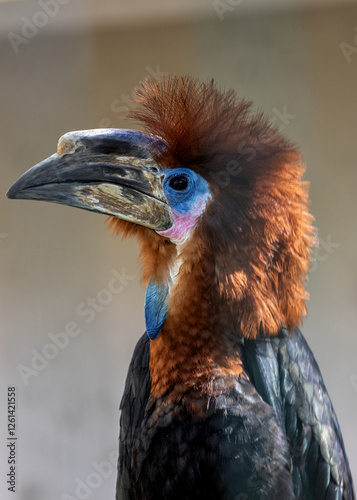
(319, 463)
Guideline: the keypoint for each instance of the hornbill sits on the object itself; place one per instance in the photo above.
(223, 398)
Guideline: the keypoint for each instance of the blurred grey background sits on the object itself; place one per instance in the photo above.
(68, 65)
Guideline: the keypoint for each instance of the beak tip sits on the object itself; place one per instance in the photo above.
(15, 191)
(11, 193)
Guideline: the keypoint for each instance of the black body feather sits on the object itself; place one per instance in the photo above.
(274, 436)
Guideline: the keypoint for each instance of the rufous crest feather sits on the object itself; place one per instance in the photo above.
(257, 229)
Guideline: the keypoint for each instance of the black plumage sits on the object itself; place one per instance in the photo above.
(234, 449)
(274, 436)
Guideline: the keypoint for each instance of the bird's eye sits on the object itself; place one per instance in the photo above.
(179, 182)
(182, 188)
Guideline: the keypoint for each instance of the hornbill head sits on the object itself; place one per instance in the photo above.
(214, 194)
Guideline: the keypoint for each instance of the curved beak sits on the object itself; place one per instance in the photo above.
(110, 171)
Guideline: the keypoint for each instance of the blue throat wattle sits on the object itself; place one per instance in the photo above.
(156, 307)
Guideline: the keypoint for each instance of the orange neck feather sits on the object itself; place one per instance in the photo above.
(244, 267)
(197, 345)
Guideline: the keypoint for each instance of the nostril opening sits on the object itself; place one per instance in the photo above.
(153, 169)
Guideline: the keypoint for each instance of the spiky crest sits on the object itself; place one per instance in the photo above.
(257, 231)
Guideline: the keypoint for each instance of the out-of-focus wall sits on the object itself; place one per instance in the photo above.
(53, 258)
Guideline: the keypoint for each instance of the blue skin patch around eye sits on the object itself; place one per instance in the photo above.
(156, 307)
(183, 201)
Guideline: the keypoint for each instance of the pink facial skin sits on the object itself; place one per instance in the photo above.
(184, 223)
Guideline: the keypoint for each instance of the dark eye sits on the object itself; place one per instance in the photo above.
(179, 182)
